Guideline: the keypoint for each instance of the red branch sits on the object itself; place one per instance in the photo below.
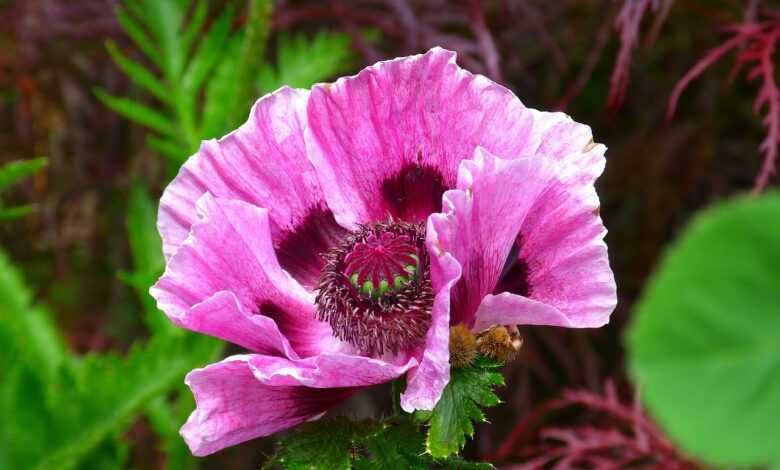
(612, 434)
(755, 43)
(627, 21)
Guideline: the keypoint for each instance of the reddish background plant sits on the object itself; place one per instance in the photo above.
(583, 429)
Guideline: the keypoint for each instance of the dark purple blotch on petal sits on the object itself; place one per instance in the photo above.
(513, 279)
(275, 313)
(514, 274)
(300, 252)
(414, 192)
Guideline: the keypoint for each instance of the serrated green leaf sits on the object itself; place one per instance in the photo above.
(703, 345)
(302, 62)
(138, 73)
(137, 112)
(16, 171)
(469, 389)
(395, 445)
(327, 444)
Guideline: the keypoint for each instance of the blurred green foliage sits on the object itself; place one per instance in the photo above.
(63, 410)
(198, 84)
(703, 346)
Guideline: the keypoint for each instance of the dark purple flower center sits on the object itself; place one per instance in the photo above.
(375, 289)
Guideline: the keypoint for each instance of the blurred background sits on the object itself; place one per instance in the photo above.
(103, 100)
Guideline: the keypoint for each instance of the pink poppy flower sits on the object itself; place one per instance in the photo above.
(340, 232)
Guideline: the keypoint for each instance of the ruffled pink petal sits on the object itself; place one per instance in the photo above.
(570, 143)
(425, 383)
(225, 281)
(482, 219)
(562, 242)
(389, 140)
(329, 370)
(233, 406)
(263, 162)
(560, 272)
(512, 309)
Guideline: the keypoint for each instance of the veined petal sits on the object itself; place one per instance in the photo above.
(233, 406)
(263, 162)
(483, 218)
(528, 231)
(389, 140)
(570, 143)
(562, 242)
(225, 281)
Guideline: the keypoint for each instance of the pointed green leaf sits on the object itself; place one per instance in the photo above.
(220, 90)
(255, 36)
(168, 148)
(163, 19)
(191, 31)
(137, 112)
(140, 37)
(138, 73)
(208, 52)
(469, 389)
(15, 171)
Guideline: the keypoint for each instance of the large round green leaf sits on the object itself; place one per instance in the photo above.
(704, 346)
